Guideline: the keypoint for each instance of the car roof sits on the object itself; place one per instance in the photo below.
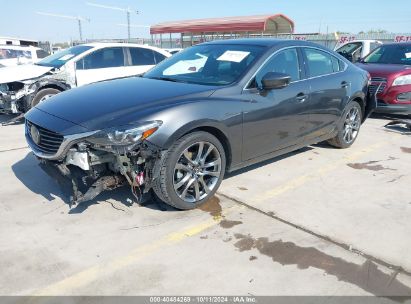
(398, 43)
(121, 44)
(268, 42)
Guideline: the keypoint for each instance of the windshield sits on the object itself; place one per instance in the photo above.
(349, 48)
(212, 64)
(391, 54)
(60, 58)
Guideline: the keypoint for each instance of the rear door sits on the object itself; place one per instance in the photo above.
(102, 64)
(329, 87)
(142, 59)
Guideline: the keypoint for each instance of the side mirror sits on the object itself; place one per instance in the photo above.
(274, 80)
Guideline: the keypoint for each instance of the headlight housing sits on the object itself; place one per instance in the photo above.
(124, 138)
(402, 80)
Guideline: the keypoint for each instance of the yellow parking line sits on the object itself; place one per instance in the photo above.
(85, 277)
(299, 181)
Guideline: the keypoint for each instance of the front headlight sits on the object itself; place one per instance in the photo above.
(125, 137)
(402, 80)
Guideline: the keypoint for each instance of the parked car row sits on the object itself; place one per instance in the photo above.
(24, 86)
(210, 109)
(390, 69)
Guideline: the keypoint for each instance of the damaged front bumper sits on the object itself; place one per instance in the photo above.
(76, 185)
(83, 169)
(15, 102)
(84, 175)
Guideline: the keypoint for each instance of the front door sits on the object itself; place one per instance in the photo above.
(103, 64)
(278, 118)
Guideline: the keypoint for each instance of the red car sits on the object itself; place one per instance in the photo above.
(390, 68)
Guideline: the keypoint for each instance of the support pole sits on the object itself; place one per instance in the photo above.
(80, 29)
(128, 25)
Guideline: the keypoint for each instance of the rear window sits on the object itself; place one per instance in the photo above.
(142, 56)
(321, 63)
(159, 57)
(41, 54)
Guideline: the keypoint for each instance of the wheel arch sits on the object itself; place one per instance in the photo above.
(41, 85)
(212, 127)
(360, 98)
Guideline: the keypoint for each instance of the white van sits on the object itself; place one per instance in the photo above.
(11, 55)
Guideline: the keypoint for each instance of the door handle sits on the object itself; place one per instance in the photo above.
(345, 84)
(301, 97)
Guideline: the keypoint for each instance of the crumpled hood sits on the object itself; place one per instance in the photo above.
(385, 70)
(118, 102)
(22, 72)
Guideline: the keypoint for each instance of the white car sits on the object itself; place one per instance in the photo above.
(22, 87)
(357, 49)
(11, 55)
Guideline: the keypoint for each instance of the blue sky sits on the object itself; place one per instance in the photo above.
(19, 18)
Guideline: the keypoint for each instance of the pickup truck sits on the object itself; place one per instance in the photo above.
(357, 49)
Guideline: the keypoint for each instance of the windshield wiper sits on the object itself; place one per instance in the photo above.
(166, 79)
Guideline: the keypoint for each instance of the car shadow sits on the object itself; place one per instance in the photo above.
(389, 116)
(32, 176)
(402, 123)
(267, 162)
(8, 119)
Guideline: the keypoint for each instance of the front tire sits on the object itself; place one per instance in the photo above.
(348, 127)
(43, 95)
(191, 171)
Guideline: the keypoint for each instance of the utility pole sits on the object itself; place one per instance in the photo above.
(127, 10)
(78, 18)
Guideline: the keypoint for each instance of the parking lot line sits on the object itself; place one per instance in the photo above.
(299, 181)
(91, 274)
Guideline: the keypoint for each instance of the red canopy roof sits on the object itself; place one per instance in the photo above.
(263, 23)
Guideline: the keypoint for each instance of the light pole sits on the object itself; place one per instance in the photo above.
(78, 18)
(128, 11)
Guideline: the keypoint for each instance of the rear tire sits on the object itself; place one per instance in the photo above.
(191, 171)
(42, 95)
(348, 127)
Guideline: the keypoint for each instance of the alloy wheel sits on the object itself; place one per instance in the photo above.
(352, 125)
(197, 172)
(45, 97)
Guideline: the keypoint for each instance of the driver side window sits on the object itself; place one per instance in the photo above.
(111, 57)
(285, 62)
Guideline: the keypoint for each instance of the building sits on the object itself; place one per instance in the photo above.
(17, 41)
(190, 32)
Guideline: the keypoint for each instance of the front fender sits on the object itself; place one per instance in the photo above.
(213, 115)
